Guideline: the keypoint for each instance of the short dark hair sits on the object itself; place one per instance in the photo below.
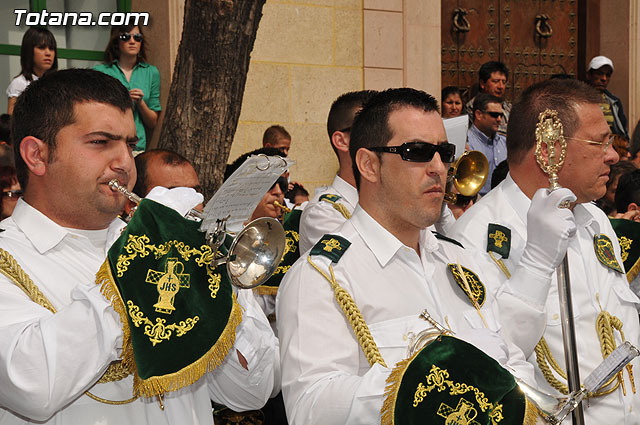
(142, 163)
(343, 110)
(36, 37)
(488, 68)
(231, 168)
(561, 95)
(448, 91)
(296, 190)
(371, 125)
(628, 191)
(47, 105)
(481, 101)
(273, 133)
(112, 51)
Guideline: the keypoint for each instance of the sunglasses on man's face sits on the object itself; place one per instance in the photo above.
(12, 194)
(126, 36)
(420, 151)
(495, 114)
(283, 183)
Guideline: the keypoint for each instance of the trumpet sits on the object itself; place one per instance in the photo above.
(468, 174)
(254, 253)
(284, 208)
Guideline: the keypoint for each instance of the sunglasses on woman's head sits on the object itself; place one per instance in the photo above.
(126, 36)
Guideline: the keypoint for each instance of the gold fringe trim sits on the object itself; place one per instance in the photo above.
(633, 272)
(110, 291)
(531, 413)
(387, 412)
(188, 375)
(340, 208)
(266, 290)
(501, 265)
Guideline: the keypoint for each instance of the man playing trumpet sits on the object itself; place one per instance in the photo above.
(73, 132)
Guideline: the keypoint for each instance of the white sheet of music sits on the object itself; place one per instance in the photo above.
(243, 190)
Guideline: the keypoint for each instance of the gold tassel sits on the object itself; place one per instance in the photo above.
(531, 413)
(188, 375)
(633, 272)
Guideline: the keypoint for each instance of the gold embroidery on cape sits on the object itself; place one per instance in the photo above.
(168, 284)
(292, 237)
(139, 245)
(625, 245)
(463, 414)
(331, 244)
(159, 332)
(473, 287)
(498, 237)
(214, 284)
(437, 379)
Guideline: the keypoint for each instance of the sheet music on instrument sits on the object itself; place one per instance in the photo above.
(243, 190)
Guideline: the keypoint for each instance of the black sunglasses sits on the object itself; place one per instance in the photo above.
(126, 36)
(495, 114)
(420, 151)
(283, 183)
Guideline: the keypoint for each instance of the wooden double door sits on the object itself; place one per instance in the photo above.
(534, 38)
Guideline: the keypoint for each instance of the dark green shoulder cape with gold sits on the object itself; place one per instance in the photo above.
(291, 225)
(452, 382)
(628, 233)
(179, 314)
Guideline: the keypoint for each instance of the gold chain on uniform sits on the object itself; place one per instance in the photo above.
(12, 270)
(605, 325)
(352, 312)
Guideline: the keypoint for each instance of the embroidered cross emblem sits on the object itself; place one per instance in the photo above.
(168, 284)
(499, 238)
(332, 244)
(463, 414)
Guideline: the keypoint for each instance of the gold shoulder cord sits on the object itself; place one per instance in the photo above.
(340, 208)
(351, 311)
(605, 325)
(12, 270)
(501, 265)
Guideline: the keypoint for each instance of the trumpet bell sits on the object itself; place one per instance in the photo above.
(256, 252)
(470, 172)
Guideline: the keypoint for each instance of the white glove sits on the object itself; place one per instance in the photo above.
(181, 199)
(488, 341)
(549, 229)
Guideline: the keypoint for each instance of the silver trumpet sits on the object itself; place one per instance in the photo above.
(254, 254)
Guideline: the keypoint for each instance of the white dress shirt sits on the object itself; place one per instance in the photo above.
(326, 378)
(320, 217)
(48, 361)
(593, 286)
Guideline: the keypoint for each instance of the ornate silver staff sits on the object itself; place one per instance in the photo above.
(549, 131)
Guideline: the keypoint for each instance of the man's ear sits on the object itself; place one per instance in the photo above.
(340, 142)
(368, 164)
(35, 154)
(633, 207)
(129, 206)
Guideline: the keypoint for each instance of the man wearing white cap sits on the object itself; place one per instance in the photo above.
(599, 75)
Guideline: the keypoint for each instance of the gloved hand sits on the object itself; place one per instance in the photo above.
(181, 199)
(549, 229)
(488, 341)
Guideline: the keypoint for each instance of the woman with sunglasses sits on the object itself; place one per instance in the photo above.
(38, 55)
(125, 59)
(10, 191)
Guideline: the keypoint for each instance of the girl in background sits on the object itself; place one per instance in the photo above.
(38, 55)
(125, 59)
(451, 102)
